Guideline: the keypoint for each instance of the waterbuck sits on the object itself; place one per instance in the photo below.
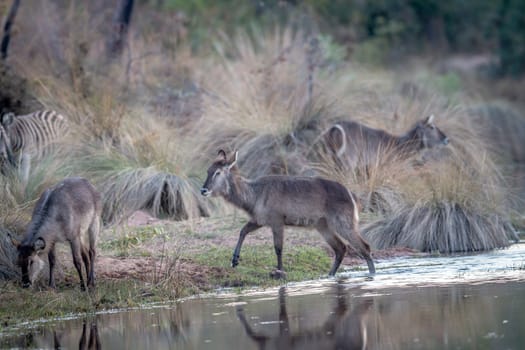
(69, 211)
(355, 145)
(278, 200)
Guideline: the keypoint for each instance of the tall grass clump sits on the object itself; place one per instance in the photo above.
(455, 203)
(264, 100)
(503, 128)
(143, 165)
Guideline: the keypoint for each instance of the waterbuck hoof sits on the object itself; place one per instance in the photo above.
(235, 261)
(277, 274)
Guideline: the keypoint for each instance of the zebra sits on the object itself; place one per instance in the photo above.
(28, 136)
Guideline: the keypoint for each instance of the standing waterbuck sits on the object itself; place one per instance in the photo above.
(69, 211)
(279, 200)
(356, 145)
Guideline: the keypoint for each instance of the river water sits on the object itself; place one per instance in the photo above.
(443, 302)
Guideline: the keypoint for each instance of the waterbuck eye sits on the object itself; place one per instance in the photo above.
(217, 172)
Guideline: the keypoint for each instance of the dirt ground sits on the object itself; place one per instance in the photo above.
(147, 258)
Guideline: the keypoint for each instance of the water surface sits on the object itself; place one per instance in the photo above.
(460, 302)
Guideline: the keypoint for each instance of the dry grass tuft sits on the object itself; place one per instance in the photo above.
(162, 194)
(443, 227)
(147, 168)
(504, 129)
(455, 203)
(8, 255)
(263, 101)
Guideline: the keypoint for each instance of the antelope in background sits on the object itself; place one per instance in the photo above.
(279, 200)
(356, 145)
(28, 136)
(69, 211)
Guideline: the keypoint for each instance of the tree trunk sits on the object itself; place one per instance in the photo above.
(9, 20)
(120, 27)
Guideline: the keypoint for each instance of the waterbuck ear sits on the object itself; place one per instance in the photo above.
(15, 241)
(7, 118)
(39, 244)
(234, 160)
(337, 139)
(222, 154)
(429, 120)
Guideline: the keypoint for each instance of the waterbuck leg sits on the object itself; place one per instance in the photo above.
(77, 261)
(249, 227)
(87, 262)
(370, 263)
(339, 250)
(278, 246)
(91, 272)
(355, 242)
(363, 249)
(93, 232)
(51, 258)
(333, 240)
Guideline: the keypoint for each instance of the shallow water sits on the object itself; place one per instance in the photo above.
(460, 302)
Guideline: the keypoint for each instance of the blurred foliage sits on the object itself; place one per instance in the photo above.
(379, 31)
(512, 37)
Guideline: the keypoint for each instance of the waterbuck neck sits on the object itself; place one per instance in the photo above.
(409, 142)
(240, 193)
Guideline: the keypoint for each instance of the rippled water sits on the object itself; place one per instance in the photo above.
(460, 302)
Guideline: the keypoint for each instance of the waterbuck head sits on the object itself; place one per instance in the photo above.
(217, 182)
(29, 259)
(428, 134)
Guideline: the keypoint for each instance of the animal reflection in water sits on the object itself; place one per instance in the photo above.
(343, 329)
(85, 343)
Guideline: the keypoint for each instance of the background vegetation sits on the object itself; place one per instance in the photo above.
(267, 78)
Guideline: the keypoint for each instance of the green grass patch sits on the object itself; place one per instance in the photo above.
(128, 240)
(300, 263)
(20, 305)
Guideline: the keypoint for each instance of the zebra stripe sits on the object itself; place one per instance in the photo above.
(29, 136)
(33, 132)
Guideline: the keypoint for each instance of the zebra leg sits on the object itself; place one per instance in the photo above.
(25, 166)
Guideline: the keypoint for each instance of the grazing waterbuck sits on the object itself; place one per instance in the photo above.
(355, 145)
(69, 211)
(278, 200)
(28, 136)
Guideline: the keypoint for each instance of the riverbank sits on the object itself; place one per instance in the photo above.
(147, 260)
